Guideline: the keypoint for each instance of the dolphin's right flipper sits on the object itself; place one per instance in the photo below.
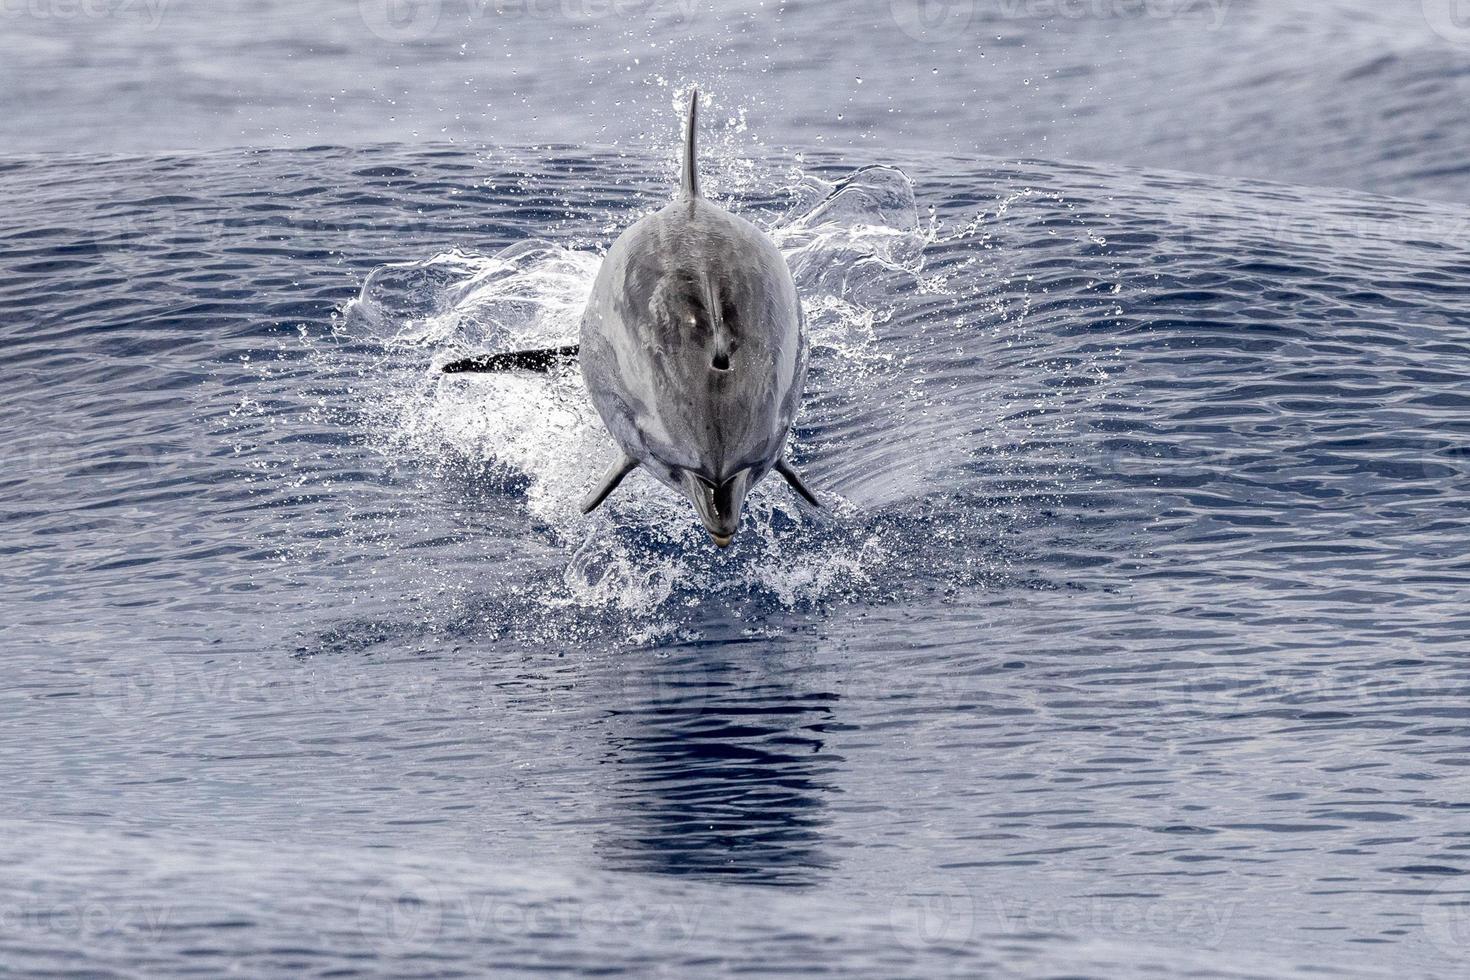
(521, 360)
(620, 468)
(784, 468)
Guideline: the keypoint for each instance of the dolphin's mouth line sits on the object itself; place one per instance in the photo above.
(718, 505)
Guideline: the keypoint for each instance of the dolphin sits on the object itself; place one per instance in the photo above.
(694, 353)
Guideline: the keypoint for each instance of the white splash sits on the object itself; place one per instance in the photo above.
(643, 550)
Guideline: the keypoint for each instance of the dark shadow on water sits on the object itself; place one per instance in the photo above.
(721, 774)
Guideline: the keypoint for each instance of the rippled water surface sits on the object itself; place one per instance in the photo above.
(1131, 640)
(1134, 637)
(1368, 94)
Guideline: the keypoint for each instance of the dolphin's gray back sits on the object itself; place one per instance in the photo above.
(692, 343)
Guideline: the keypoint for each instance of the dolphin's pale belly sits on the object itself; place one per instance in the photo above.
(692, 346)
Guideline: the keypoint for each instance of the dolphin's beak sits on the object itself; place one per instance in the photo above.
(718, 507)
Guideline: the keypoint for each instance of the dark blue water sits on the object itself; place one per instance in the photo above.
(1132, 642)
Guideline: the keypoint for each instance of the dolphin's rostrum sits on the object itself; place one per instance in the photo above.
(694, 353)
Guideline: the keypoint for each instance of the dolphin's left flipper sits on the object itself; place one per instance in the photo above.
(521, 360)
(620, 468)
(784, 468)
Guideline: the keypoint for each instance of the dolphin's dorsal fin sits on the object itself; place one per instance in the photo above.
(689, 173)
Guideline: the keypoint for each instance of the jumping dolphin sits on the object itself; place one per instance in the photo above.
(694, 352)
